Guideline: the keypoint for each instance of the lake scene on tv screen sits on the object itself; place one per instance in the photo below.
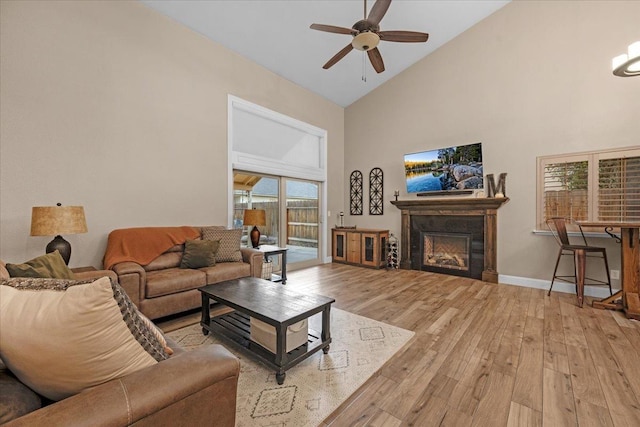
(446, 169)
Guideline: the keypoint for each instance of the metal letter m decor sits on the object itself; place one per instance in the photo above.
(493, 189)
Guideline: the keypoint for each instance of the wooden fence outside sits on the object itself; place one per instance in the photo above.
(568, 204)
(302, 223)
(302, 220)
(616, 205)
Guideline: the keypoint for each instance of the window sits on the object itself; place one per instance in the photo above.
(594, 186)
(619, 189)
(264, 141)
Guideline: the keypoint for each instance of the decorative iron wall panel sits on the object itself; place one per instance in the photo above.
(376, 203)
(355, 194)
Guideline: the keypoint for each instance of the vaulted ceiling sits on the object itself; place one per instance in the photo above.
(276, 35)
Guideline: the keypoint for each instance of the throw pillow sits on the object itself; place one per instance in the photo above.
(60, 337)
(199, 253)
(229, 250)
(156, 332)
(4, 273)
(50, 265)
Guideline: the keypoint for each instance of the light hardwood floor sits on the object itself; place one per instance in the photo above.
(485, 354)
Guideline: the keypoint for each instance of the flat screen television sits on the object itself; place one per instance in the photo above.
(445, 170)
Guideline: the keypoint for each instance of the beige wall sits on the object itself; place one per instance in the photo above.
(532, 79)
(115, 107)
(112, 106)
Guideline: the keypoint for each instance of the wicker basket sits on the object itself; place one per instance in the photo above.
(267, 269)
(265, 334)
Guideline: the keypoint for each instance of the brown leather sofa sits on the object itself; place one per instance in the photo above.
(189, 389)
(161, 288)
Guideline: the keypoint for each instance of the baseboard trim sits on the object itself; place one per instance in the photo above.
(592, 291)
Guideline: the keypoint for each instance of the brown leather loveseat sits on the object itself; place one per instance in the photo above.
(161, 288)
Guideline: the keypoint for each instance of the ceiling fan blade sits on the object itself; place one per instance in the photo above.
(332, 29)
(403, 36)
(338, 56)
(378, 10)
(376, 60)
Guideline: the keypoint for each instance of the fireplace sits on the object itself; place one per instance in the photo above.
(450, 236)
(445, 250)
(460, 237)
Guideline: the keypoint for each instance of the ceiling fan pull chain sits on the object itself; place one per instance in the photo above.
(364, 68)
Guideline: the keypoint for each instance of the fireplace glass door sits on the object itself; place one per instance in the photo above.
(446, 250)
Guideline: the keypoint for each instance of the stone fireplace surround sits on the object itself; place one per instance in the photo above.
(476, 217)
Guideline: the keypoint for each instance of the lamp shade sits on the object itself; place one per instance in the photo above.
(54, 220)
(255, 217)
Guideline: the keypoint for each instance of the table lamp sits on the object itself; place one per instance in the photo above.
(57, 220)
(255, 217)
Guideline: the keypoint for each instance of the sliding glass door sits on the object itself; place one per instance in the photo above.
(257, 192)
(292, 211)
(302, 218)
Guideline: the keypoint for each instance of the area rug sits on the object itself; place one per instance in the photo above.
(314, 388)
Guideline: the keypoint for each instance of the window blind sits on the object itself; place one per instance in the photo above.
(619, 189)
(591, 186)
(267, 142)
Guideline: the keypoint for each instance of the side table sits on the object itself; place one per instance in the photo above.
(269, 251)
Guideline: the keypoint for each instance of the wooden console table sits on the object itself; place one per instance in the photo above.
(361, 246)
(626, 299)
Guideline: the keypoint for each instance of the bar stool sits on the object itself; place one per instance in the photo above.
(579, 253)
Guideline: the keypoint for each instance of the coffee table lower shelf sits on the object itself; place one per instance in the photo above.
(236, 327)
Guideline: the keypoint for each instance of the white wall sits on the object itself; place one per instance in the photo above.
(112, 106)
(532, 79)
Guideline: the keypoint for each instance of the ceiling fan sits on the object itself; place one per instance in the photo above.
(366, 35)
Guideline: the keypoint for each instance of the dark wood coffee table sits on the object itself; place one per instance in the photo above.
(277, 305)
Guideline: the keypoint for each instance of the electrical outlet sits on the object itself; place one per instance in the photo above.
(615, 274)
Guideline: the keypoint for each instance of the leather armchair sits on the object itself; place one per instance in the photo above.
(191, 388)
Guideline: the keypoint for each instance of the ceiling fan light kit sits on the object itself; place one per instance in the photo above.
(366, 41)
(628, 65)
(367, 35)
